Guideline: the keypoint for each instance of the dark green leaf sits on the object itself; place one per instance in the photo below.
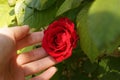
(114, 63)
(111, 76)
(92, 67)
(67, 5)
(39, 4)
(71, 14)
(80, 77)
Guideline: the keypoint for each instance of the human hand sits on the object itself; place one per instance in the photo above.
(16, 67)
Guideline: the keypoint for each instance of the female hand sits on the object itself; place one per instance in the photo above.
(17, 67)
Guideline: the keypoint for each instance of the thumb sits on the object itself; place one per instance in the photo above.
(20, 32)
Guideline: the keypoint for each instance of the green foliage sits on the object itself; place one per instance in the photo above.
(97, 24)
(67, 5)
(86, 42)
(39, 4)
(104, 22)
(27, 49)
(28, 14)
(111, 76)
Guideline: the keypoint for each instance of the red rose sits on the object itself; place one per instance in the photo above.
(59, 39)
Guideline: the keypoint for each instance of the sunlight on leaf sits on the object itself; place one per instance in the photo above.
(32, 17)
(6, 14)
(104, 24)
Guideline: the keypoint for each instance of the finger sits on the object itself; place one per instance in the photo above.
(37, 66)
(31, 39)
(46, 75)
(20, 32)
(31, 56)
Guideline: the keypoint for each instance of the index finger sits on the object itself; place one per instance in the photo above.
(32, 38)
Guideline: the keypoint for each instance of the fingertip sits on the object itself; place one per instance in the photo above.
(31, 39)
(20, 31)
(26, 27)
(53, 68)
(47, 74)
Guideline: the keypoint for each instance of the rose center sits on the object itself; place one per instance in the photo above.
(60, 39)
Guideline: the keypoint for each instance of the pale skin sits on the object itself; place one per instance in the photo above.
(17, 67)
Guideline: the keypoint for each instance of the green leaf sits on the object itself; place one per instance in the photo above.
(26, 49)
(20, 11)
(67, 5)
(111, 76)
(114, 63)
(104, 64)
(39, 4)
(86, 42)
(80, 77)
(34, 18)
(104, 24)
(6, 14)
(71, 14)
(92, 67)
(28, 77)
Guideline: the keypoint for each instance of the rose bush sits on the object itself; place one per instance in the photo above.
(59, 39)
(97, 55)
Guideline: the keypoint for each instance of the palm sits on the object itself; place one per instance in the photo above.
(14, 71)
(16, 67)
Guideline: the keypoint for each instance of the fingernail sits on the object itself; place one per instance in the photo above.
(55, 68)
(26, 26)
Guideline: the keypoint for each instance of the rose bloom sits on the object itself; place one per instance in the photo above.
(59, 39)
